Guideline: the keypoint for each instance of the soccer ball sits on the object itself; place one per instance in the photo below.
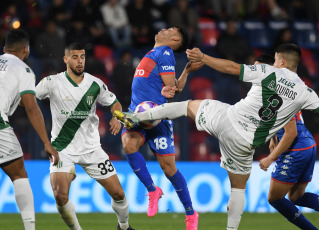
(145, 105)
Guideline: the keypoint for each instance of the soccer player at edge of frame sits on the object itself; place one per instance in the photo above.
(73, 96)
(157, 68)
(17, 83)
(296, 153)
(276, 95)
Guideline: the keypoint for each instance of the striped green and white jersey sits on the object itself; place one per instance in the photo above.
(275, 97)
(73, 108)
(16, 79)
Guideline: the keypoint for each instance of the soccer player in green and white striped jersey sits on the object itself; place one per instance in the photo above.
(276, 95)
(17, 84)
(73, 95)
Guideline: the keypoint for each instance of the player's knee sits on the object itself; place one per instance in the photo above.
(272, 198)
(119, 195)
(61, 198)
(129, 148)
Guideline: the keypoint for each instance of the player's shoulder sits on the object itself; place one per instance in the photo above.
(165, 51)
(91, 78)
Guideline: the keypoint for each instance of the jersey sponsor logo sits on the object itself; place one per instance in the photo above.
(167, 67)
(287, 83)
(76, 114)
(252, 67)
(145, 67)
(228, 164)
(255, 121)
(166, 53)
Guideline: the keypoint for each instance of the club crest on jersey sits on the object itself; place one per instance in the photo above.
(89, 99)
(166, 53)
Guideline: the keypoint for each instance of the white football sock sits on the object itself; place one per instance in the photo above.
(168, 111)
(122, 211)
(235, 208)
(67, 213)
(24, 199)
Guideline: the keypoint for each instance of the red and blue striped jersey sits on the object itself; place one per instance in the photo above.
(147, 83)
(304, 139)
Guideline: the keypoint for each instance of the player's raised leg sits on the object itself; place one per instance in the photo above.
(61, 182)
(179, 183)
(119, 203)
(23, 194)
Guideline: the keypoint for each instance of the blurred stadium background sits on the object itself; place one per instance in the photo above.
(238, 30)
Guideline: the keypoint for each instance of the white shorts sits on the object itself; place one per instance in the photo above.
(236, 152)
(10, 147)
(96, 164)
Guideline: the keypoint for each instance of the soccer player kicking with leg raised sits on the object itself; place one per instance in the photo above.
(277, 94)
(73, 97)
(17, 82)
(296, 153)
(157, 68)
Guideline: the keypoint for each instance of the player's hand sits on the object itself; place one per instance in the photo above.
(115, 126)
(169, 91)
(265, 163)
(194, 54)
(193, 66)
(52, 153)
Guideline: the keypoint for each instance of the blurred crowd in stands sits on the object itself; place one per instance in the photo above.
(118, 33)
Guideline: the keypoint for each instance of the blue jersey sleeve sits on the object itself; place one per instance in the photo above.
(166, 61)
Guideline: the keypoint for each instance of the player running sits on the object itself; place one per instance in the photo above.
(296, 153)
(17, 82)
(73, 96)
(277, 94)
(157, 69)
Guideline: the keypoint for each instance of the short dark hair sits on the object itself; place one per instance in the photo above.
(185, 39)
(75, 46)
(17, 39)
(266, 59)
(292, 51)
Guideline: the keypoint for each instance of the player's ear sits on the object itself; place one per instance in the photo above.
(65, 59)
(176, 38)
(4, 49)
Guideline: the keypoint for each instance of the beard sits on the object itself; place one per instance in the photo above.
(77, 73)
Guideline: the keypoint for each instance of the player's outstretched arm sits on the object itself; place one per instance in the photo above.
(115, 125)
(221, 65)
(289, 136)
(36, 119)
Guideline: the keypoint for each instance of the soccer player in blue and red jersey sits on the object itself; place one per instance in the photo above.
(296, 153)
(156, 70)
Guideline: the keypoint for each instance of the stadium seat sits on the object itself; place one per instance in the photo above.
(257, 34)
(105, 54)
(209, 31)
(309, 61)
(201, 88)
(306, 35)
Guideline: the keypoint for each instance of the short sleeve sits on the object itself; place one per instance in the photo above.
(312, 101)
(44, 88)
(106, 97)
(27, 81)
(255, 73)
(166, 62)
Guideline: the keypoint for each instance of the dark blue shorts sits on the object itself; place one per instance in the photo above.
(295, 166)
(160, 138)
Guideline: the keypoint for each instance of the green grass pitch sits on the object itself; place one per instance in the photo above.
(171, 221)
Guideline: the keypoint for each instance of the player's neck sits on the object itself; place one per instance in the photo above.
(158, 44)
(76, 78)
(17, 54)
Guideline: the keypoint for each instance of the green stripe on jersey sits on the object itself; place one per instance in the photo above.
(70, 80)
(270, 100)
(316, 110)
(71, 125)
(241, 75)
(3, 124)
(27, 91)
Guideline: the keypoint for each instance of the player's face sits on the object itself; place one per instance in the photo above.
(27, 52)
(165, 34)
(75, 60)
